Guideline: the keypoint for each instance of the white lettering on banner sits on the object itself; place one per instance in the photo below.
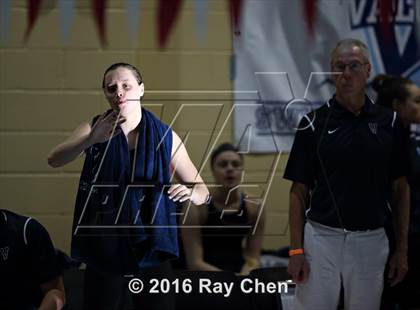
(402, 12)
(356, 12)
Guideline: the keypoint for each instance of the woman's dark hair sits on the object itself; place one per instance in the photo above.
(224, 147)
(390, 88)
(117, 65)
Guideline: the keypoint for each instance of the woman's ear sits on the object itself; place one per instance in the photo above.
(141, 90)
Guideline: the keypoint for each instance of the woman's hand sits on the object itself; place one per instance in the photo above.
(179, 192)
(83, 137)
(106, 127)
(186, 173)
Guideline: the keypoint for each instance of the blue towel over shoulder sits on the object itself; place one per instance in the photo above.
(122, 205)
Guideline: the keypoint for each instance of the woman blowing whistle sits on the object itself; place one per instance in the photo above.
(124, 223)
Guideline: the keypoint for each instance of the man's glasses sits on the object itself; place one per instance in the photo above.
(354, 66)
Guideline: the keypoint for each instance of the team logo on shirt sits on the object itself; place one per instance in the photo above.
(373, 128)
(4, 252)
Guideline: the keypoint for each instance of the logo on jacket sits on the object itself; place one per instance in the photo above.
(373, 128)
(4, 252)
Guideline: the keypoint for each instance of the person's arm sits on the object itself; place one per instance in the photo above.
(298, 266)
(186, 172)
(191, 238)
(83, 137)
(54, 294)
(252, 250)
(301, 170)
(400, 203)
(400, 206)
(41, 258)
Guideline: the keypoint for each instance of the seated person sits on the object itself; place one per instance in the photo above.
(403, 96)
(226, 240)
(30, 273)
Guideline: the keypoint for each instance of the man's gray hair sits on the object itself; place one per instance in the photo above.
(351, 43)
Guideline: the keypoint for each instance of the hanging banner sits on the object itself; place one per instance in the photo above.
(133, 18)
(282, 70)
(310, 14)
(235, 7)
(33, 11)
(168, 11)
(201, 8)
(98, 10)
(66, 13)
(4, 20)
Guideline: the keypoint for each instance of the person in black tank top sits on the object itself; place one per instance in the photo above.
(226, 255)
(403, 96)
(231, 225)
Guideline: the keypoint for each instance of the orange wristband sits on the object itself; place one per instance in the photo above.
(295, 252)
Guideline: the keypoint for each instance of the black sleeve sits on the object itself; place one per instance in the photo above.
(43, 258)
(400, 152)
(414, 155)
(301, 164)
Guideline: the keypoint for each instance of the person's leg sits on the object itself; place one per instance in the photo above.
(365, 256)
(390, 295)
(410, 286)
(102, 291)
(161, 301)
(323, 252)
